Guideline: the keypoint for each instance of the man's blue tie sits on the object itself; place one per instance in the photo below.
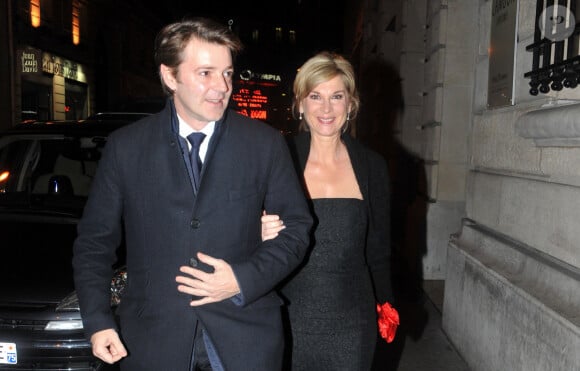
(195, 139)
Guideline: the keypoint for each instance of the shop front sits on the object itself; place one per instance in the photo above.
(51, 87)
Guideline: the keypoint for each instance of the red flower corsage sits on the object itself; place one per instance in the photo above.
(388, 321)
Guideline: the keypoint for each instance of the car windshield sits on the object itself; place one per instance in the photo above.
(129, 116)
(50, 172)
(45, 177)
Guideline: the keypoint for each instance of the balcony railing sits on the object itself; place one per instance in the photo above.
(556, 56)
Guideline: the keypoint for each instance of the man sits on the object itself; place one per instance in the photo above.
(199, 293)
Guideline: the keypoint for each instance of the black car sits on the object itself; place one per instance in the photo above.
(45, 174)
(115, 116)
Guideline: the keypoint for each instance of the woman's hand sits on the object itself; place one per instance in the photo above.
(271, 225)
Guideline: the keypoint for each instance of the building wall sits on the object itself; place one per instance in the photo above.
(431, 47)
(446, 121)
(511, 292)
(6, 62)
(502, 184)
(113, 62)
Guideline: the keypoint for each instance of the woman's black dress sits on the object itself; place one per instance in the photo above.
(331, 303)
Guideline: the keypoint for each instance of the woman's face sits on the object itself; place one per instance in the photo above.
(325, 108)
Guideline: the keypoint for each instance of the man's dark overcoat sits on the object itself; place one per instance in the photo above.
(142, 194)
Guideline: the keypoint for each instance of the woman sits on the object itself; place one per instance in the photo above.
(332, 297)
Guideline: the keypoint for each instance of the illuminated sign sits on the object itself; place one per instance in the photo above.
(59, 66)
(251, 102)
(248, 75)
(29, 61)
(254, 94)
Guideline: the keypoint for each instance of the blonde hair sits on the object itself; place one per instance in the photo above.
(320, 68)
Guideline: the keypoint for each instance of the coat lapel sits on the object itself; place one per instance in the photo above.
(300, 149)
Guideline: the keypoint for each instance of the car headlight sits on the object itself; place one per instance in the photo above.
(70, 303)
(71, 324)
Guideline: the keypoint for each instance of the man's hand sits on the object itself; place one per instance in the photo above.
(211, 287)
(107, 346)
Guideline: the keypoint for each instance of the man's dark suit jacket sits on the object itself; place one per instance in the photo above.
(142, 192)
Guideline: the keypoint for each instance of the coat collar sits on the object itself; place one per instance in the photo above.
(300, 149)
(169, 126)
(169, 114)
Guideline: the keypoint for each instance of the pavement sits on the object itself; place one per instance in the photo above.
(420, 343)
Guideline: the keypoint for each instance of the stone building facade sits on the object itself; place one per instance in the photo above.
(500, 220)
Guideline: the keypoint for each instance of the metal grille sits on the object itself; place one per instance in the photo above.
(21, 324)
(556, 57)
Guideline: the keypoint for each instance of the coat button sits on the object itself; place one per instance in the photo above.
(195, 223)
(193, 262)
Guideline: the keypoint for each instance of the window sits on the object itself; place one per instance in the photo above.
(76, 26)
(35, 13)
(556, 54)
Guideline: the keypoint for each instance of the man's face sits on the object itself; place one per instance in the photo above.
(203, 83)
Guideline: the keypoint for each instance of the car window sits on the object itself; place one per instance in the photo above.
(38, 167)
(129, 116)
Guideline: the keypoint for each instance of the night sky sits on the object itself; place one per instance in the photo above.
(319, 23)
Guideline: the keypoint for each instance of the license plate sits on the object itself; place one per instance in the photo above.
(8, 354)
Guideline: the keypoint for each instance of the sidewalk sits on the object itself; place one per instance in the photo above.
(420, 344)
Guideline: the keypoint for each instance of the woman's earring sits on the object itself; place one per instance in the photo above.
(300, 117)
(348, 117)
